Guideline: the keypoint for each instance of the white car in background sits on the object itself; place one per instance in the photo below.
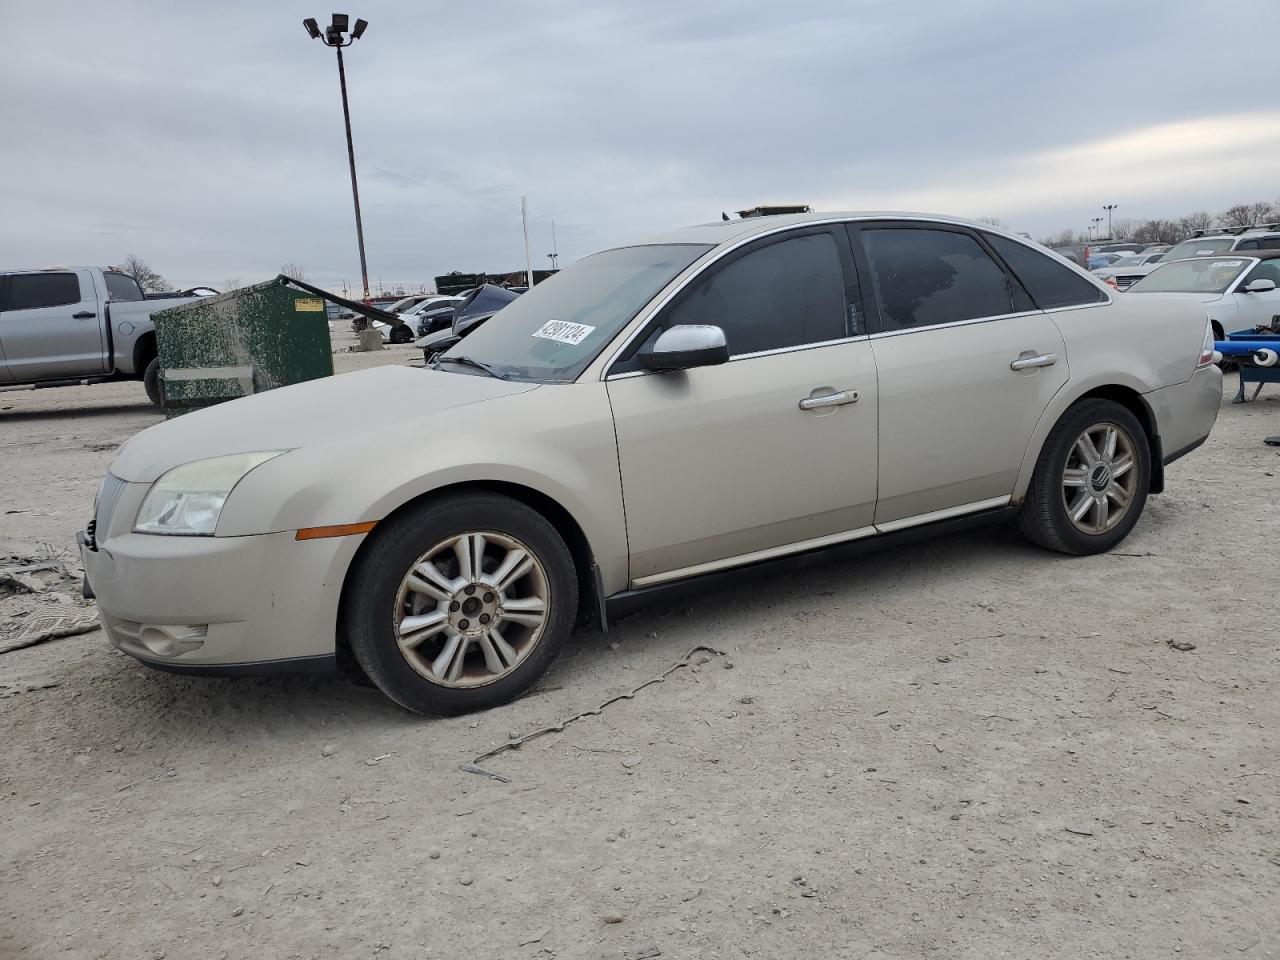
(706, 400)
(406, 332)
(1125, 272)
(1236, 292)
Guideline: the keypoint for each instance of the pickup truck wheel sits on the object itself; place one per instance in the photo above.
(151, 380)
(1091, 481)
(461, 604)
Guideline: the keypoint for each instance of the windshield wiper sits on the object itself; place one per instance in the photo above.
(472, 362)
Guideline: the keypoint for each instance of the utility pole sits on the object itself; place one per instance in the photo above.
(554, 254)
(332, 37)
(1109, 207)
(524, 220)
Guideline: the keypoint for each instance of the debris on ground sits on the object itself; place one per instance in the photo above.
(595, 712)
(1183, 645)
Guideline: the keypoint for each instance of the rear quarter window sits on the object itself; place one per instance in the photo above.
(1051, 285)
(122, 287)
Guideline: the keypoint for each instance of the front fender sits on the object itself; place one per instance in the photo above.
(557, 440)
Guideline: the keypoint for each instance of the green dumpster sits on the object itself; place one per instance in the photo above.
(246, 341)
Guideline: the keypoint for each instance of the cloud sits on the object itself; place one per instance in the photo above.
(215, 147)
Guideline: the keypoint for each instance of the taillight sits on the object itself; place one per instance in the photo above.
(1208, 355)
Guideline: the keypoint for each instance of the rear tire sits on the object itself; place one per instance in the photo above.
(1085, 498)
(153, 383)
(409, 613)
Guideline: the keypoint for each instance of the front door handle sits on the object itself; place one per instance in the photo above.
(83, 315)
(1038, 360)
(830, 400)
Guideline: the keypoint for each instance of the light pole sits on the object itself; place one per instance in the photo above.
(332, 37)
(554, 254)
(1109, 207)
(1096, 221)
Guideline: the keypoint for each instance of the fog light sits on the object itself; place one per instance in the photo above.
(171, 640)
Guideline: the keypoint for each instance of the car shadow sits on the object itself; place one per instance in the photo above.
(78, 413)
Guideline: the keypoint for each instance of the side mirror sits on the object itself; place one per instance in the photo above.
(686, 346)
(1261, 285)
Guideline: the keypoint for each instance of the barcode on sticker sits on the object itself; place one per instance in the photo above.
(563, 331)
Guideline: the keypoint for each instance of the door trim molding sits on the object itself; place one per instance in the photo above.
(817, 543)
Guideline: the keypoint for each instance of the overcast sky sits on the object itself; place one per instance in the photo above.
(207, 137)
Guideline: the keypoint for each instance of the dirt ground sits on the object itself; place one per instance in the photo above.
(963, 748)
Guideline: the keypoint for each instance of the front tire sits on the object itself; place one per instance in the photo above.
(461, 604)
(401, 334)
(1090, 482)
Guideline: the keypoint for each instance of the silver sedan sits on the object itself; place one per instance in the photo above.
(718, 396)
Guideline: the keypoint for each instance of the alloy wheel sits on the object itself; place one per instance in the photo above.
(1099, 478)
(471, 609)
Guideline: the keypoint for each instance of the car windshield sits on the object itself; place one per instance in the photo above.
(1200, 248)
(1134, 261)
(552, 333)
(1193, 276)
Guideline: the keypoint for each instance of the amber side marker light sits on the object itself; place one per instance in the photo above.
(340, 530)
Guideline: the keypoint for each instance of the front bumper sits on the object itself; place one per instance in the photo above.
(230, 605)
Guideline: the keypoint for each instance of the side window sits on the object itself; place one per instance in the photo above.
(121, 287)
(1266, 270)
(30, 290)
(1247, 245)
(1050, 284)
(926, 277)
(787, 294)
(1269, 243)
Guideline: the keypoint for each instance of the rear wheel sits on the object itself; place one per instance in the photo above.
(1091, 480)
(461, 604)
(152, 382)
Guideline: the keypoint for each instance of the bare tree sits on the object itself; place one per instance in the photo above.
(231, 283)
(1122, 229)
(1063, 238)
(1200, 220)
(1246, 214)
(293, 271)
(994, 221)
(1157, 231)
(150, 281)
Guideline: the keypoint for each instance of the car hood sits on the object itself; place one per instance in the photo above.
(307, 414)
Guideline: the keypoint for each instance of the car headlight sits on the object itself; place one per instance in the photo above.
(188, 500)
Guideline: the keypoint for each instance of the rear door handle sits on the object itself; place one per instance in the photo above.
(83, 315)
(1037, 360)
(830, 400)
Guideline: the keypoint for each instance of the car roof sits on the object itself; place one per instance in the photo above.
(723, 231)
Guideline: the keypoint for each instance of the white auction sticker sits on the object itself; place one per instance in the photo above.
(564, 331)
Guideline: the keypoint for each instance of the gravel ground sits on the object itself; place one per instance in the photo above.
(962, 748)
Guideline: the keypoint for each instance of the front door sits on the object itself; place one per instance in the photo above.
(722, 464)
(1257, 309)
(51, 326)
(965, 374)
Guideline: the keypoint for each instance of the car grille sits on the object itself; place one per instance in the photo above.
(1127, 281)
(108, 499)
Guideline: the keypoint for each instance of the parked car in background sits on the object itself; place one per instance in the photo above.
(714, 397)
(1236, 292)
(1097, 261)
(406, 332)
(74, 325)
(467, 315)
(435, 315)
(1212, 245)
(1126, 271)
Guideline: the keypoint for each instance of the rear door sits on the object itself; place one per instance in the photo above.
(967, 365)
(51, 326)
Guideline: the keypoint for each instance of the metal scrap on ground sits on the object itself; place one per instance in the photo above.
(595, 712)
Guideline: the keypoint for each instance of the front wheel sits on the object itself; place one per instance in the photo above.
(1090, 482)
(461, 604)
(401, 334)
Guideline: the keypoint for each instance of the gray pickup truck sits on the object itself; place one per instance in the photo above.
(76, 325)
